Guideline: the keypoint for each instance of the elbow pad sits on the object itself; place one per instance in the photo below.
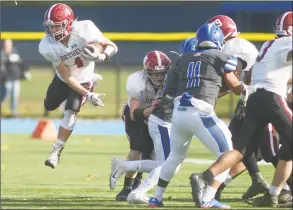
(138, 115)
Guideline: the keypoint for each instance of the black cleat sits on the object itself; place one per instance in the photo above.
(122, 196)
(285, 197)
(198, 186)
(267, 200)
(255, 189)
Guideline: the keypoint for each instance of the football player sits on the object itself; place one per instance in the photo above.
(143, 87)
(246, 52)
(72, 47)
(266, 104)
(159, 128)
(200, 76)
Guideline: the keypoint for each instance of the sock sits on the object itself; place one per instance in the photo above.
(251, 164)
(128, 182)
(228, 179)
(274, 190)
(160, 189)
(159, 193)
(139, 165)
(208, 176)
(222, 186)
(150, 181)
(209, 194)
(59, 142)
(256, 177)
(286, 187)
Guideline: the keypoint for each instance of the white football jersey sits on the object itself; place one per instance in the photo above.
(139, 87)
(272, 71)
(243, 49)
(83, 33)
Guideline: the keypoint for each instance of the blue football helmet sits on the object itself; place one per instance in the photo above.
(209, 36)
(187, 45)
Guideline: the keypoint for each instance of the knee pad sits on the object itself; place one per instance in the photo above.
(69, 119)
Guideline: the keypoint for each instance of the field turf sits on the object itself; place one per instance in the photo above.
(81, 179)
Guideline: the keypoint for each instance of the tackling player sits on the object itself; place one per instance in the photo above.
(72, 47)
(200, 76)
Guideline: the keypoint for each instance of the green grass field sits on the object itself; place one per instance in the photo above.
(33, 93)
(81, 179)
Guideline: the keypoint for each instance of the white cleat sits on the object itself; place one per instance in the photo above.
(116, 172)
(137, 198)
(54, 157)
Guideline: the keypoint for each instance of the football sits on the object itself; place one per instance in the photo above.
(98, 47)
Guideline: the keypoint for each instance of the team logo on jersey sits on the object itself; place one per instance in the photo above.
(72, 54)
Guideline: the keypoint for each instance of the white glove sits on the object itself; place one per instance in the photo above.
(91, 52)
(102, 57)
(94, 99)
(248, 90)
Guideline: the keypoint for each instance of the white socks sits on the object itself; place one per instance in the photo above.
(209, 194)
(274, 190)
(145, 166)
(59, 142)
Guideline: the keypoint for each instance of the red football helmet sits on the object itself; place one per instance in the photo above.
(156, 64)
(226, 24)
(58, 21)
(284, 24)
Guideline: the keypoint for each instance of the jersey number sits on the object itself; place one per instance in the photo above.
(193, 72)
(265, 50)
(78, 62)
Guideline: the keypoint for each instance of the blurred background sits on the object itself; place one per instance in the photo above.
(136, 27)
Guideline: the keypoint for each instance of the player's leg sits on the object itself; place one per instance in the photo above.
(72, 107)
(251, 123)
(134, 135)
(215, 135)
(161, 141)
(281, 119)
(57, 92)
(180, 138)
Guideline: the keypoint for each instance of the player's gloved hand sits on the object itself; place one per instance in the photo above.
(91, 52)
(94, 98)
(102, 57)
(240, 108)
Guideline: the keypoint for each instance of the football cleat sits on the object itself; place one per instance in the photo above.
(267, 200)
(198, 186)
(136, 197)
(255, 189)
(122, 196)
(54, 157)
(116, 172)
(154, 202)
(215, 205)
